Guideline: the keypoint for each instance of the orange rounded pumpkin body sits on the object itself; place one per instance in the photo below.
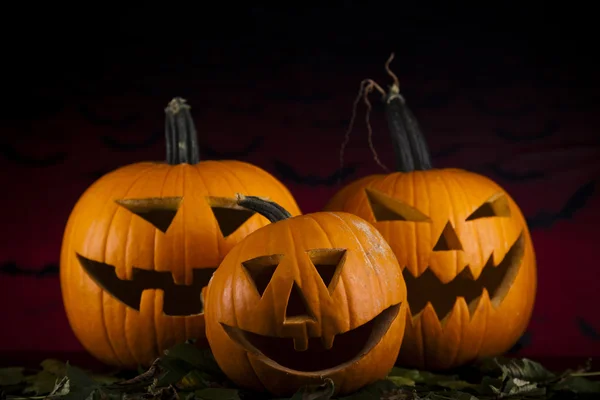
(307, 298)
(467, 259)
(142, 242)
(462, 242)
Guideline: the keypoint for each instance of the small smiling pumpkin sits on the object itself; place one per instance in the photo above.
(143, 241)
(304, 299)
(466, 253)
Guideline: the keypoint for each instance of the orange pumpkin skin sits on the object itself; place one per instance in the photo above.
(111, 243)
(498, 319)
(462, 242)
(367, 283)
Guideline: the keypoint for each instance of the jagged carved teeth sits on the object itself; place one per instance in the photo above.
(178, 300)
(496, 280)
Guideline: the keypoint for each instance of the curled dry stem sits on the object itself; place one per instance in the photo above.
(366, 87)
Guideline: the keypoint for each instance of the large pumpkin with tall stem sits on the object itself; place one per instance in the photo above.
(463, 244)
(143, 240)
(306, 298)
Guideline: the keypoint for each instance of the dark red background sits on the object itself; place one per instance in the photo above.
(512, 94)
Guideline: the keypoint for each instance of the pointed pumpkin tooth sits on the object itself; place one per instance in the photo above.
(455, 315)
(301, 343)
(472, 272)
(327, 341)
(479, 305)
(410, 317)
(430, 319)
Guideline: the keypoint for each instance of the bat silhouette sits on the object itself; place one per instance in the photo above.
(587, 330)
(38, 107)
(244, 108)
(576, 202)
(433, 99)
(149, 141)
(11, 268)
(214, 154)
(480, 103)
(549, 129)
(9, 152)
(287, 172)
(295, 97)
(107, 120)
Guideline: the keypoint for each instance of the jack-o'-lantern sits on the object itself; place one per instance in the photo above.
(463, 243)
(304, 299)
(143, 240)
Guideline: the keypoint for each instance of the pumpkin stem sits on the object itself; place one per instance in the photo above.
(181, 135)
(410, 147)
(268, 209)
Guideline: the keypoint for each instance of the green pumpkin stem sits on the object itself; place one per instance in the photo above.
(268, 209)
(181, 135)
(402, 149)
(410, 147)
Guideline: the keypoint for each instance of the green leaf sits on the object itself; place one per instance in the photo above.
(516, 386)
(174, 370)
(81, 386)
(11, 376)
(427, 378)
(454, 395)
(61, 387)
(577, 384)
(55, 367)
(372, 392)
(323, 391)
(44, 381)
(201, 359)
(139, 383)
(77, 377)
(194, 380)
(217, 394)
(41, 383)
(490, 385)
(524, 369)
(401, 381)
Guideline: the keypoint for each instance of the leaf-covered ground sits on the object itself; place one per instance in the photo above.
(188, 373)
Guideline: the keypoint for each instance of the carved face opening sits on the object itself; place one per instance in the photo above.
(178, 299)
(474, 278)
(298, 347)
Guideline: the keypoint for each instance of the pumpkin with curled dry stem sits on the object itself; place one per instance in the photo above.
(304, 299)
(143, 240)
(463, 243)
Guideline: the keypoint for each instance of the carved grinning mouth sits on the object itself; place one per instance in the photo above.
(496, 280)
(179, 300)
(348, 347)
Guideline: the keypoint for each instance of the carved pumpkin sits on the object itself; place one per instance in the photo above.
(464, 246)
(306, 298)
(143, 240)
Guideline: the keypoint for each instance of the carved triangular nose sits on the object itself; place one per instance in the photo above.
(297, 309)
(448, 240)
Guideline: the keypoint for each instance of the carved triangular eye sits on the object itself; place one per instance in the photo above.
(386, 208)
(159, 211)
(496, 206)
(328, 263)
(260, 270)
(228, 216)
